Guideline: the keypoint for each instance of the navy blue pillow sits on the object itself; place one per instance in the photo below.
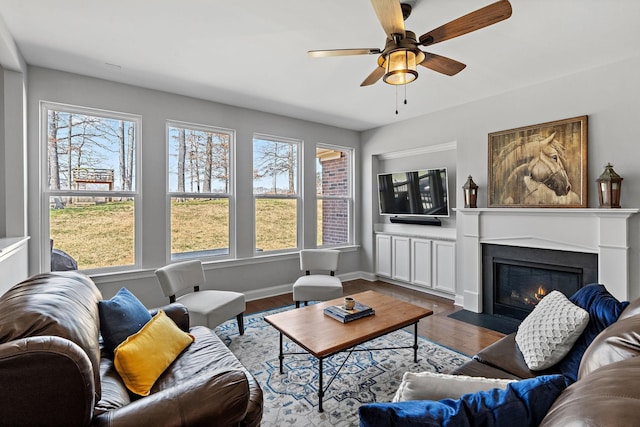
(604, 309)
(522, 403)
(121, 316)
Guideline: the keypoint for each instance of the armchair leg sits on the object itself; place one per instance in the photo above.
(297, 304)
(240, 319)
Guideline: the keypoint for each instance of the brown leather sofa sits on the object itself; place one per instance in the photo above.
(607, 391)
(53, 371)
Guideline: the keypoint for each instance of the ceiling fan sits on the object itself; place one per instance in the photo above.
(398, 60)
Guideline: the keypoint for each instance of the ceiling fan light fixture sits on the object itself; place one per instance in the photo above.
(400, 67)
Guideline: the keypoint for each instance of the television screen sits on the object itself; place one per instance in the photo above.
(421, 192)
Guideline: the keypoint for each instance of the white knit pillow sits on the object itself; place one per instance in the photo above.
(550, 330)
(434, 386)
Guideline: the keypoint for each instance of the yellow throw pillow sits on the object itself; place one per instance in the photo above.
(143, 356)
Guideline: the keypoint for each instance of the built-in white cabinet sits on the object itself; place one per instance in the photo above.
(401, 258)
(421, 262)
(383, 255)
(425, 262)
(444, 266)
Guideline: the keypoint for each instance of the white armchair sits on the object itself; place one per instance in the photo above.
(207, 307)
(311, 287)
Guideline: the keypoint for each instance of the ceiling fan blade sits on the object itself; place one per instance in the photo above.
(389, 14)
(373, 77)
(473, 21)
(342, 52)
(442, 64)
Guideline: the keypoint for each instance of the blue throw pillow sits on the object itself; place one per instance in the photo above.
(522, 403)
(121, 316)
(604, 309)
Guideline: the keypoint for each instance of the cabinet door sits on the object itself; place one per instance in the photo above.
(401, 255)
(383, 255)
(444, 266)
(421, 262)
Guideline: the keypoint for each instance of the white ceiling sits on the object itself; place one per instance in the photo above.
(252, 53)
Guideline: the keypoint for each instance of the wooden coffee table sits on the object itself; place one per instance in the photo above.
(321, 336)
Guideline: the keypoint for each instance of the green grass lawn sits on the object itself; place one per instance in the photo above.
(102, 235)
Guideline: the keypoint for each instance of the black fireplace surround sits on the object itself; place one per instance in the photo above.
(515, 278)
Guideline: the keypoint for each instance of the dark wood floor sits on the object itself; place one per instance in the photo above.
(460, 336)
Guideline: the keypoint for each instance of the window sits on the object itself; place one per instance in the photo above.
(276, 193)
(334, 195)
(90, 189)
(200, 189)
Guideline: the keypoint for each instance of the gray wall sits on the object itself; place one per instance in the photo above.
(156, 108)
(3, 169)
(609, 95)
(13, 178)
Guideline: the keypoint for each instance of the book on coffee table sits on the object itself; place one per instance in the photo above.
(343, 315)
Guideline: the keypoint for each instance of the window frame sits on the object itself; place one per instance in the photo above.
(298, 196)
(349, 197)
(46, 193)
(232, 250)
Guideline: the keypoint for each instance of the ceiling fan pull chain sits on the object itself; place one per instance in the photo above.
(396, 100)
(405, 94)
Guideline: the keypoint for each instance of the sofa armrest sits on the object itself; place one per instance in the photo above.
(177, 312)
(46, 379)
(208, 399)
(504, 354)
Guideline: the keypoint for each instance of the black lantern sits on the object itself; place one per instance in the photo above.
(609, 186)
(470, 193)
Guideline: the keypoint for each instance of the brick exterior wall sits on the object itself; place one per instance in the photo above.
(335, 213)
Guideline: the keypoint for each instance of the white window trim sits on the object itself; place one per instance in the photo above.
(46, 193)
(231, 196)
(298, 196)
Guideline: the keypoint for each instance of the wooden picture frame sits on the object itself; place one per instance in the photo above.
(543, 165)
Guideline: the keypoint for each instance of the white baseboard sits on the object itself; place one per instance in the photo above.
(273, 291)
(416, 288)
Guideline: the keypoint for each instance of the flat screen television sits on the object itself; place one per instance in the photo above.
(419, 193)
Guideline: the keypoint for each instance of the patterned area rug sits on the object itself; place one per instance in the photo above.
(291, 399)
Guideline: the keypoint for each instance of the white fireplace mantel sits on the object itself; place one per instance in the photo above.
(600, 231)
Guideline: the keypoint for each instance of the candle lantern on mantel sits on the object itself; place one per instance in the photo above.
(470, 193)
(609, 186)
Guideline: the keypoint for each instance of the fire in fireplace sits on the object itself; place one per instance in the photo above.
(515, 279)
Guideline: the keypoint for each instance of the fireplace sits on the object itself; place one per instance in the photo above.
(604, 232)
(516, 278)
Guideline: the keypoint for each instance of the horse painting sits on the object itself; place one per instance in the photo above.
(531, 170)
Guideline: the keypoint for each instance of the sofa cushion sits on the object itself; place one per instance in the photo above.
(435, 386)
(505, 355)
(144, 356)
(114, 393)
(522, 403)
(476, 368)
(631, 310)
(609, 396)
(547, 334)
(121, 316)
(604, 309)
(618, 342)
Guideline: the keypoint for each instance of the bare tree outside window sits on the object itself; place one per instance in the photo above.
(275, 166)
(275, 188)
(199, 186)
(91, 186)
